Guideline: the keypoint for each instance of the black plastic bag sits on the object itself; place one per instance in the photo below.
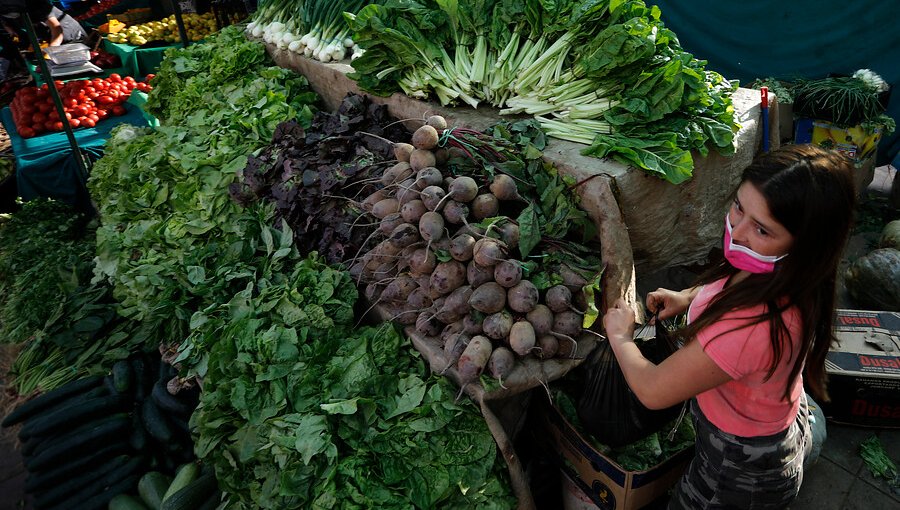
(607, 407)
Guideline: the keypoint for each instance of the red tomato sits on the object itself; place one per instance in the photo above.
(57, 126)
(115, 77)
(28, 108)
(58, 84)
(149, 77)
(88, 122)
(26, 132)
(93, 117)
(102, 114)
(68, 115)
(39, 117)
(38, 128)
(106, 99)
(49, 125)
(52, 115)
(80, 110)
(118, 110)
(74, 123)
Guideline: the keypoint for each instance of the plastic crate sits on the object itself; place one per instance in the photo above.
(133, 16)
(68, 53)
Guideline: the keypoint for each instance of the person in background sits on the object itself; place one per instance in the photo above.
(759, 327)
(49, 21)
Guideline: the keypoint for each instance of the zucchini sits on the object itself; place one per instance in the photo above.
(50, 399)
(100, 500)
(154, 422)
(72, 414)
(88, 496)
(38, 481)
(123, 377)
(168, 402)
(152, 487)
(97, 437)
(126, 502)
(212, 502)
(192, 495)
(186, 474)
(138, 437)
(76, 483)
(166, 372)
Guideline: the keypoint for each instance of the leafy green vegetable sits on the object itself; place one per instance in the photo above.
(877, 460)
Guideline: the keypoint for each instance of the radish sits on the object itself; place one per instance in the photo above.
(454, 345)
(456, 212)
(448, 276)
(522, 297)
(461, 247)
(504, 188)
(509, 234)
(437, 122)
(397, 173)
(463, 189)
(521, 338)
(429, 176)
(485, 206)
(541, 319)
(488, 298)
(431, 226)
(413, 210)
(477, 275)
(385, 207)
(418, 299)
(497, 325)
(456, 306)
(488, 252)
(568, 323)
(402, 152)
(558, 298)
(441, 156)
(390, 222)
(473, 359)
(399, 289)
(404, 235)
(406, 191)
(423, 261)
(426, 138)
(508, 273)
(421, 158)
(471, 324)
(432, 197)
(373, 292)
(501, 363)
(426, 325)
(373, 199)
(548, 346)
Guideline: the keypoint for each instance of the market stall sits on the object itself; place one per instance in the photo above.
(138, 61)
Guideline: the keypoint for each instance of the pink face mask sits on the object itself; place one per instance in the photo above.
(744, 258)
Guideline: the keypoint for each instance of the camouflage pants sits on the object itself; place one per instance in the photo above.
(731, 472)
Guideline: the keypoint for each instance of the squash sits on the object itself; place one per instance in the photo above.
(873, 281)
(890, 236)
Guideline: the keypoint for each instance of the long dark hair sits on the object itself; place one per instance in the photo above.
(810, 191)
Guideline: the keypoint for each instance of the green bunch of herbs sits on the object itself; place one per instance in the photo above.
(46, 249)
(301, 409)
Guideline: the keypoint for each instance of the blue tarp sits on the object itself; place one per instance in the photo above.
(46, 166)
(796, 39)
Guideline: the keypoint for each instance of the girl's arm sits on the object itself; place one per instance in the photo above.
(56, 31)
(669, 302)
(684, 374)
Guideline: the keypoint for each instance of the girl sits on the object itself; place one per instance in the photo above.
(759, 327)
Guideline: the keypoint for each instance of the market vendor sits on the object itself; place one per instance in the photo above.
(759, 325)
(49, 22)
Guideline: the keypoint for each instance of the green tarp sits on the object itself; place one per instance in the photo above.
(796, 39)
(139, 61)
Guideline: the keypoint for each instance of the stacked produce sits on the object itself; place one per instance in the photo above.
(314, 28)
(91, 439)
(474, 250)
(85, 102)
(320, 172)
(197, 26)
(603, 73)
(105, 60)
(98, 8)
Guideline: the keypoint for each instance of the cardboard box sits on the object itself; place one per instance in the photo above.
(855, 142)
(608, 485)
(864, 369)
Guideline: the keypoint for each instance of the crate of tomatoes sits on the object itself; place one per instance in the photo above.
(86, 102)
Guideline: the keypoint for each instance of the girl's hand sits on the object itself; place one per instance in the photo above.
(619, 322)
(669, 303)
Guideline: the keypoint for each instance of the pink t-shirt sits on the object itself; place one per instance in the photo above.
(748, 405)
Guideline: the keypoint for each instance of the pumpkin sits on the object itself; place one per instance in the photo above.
(890, 236)
(873, 281)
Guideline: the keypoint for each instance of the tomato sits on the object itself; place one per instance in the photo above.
(28, 108)
(44, 108)
(74, 123)
(57, 126)
(52, 115)
(128, 79)
(39, 117)
(88, 122)
(115, 77)
(58, 84)
(106, 99)
(118, 110)
(26, 132)
(93, 117)
(80, 110)
(149, 77)
(38, 128)
(102, 114)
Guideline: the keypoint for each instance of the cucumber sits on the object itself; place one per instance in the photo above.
(72, 414)
(192, 495)
(168, 402)
(126, 502)
(212, 502)
(141, 378)
(50, 399)
(75, 484)
(97, 437)
(186, 474)
(138, 437)
(152, 487)
(123, 376)
(166, 372)
(69, 435)
(89, 495)
(100, 500)
(154, 422)
(41, 480)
